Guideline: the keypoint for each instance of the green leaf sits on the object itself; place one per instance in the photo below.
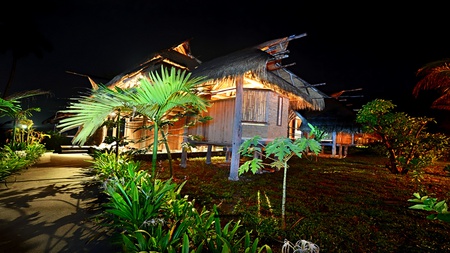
(418, 207)
(254, 165)
(441, 207)
(444, 217)
(250, 146)
(417, 195)
(185, 247)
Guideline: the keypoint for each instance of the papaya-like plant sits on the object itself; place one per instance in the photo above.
(278, 152)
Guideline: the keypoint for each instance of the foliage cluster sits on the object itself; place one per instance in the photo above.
(14, 159)
(23, 147)
(439, 209)
(342, 205)
(406, 142)
(158, 97)
(279, 152)
(151, 215)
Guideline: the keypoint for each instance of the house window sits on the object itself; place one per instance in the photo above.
(254, 106)
(280, 111)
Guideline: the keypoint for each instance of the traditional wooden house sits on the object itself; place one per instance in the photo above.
(338, 122)
(251, 93)
(178, 56)
(252, 88)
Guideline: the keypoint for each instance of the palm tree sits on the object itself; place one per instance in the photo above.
(435, 76)
(10, 106)
(157, 96)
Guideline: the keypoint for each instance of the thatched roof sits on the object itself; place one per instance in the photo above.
(251, 62)
(334, 117)
(234, 64)
(254, 61)
(178, 56)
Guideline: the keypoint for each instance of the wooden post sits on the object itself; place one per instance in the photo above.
(237, 130)
(183, 163)
(333, 144)
(208, 154)
(227, 154)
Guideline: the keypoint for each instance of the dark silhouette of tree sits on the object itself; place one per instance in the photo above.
(21, 34)
(435, 76)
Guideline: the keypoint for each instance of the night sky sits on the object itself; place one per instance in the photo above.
(375, 46)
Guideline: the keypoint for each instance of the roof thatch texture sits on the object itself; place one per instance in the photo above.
(287, 81)
(234, 64)
(334, 117)
(253, 62)
(178, 56)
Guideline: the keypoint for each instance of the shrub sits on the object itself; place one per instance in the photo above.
(407, 143)
(150, 215)
(13, 159)
(439, 209)
(107, 165)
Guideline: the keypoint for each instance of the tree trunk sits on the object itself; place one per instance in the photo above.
(393, 166)
(155, 149)
(283, 199)
(169, 155)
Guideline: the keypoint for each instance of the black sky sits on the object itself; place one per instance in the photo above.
(377, 46)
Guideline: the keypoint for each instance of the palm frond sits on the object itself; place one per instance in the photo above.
(158, 94)
(156, 97)
(442, 102)
(8, 107)
(89, 113)
(26, 94)
(433, 76)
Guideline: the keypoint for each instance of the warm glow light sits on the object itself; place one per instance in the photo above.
(250, 83)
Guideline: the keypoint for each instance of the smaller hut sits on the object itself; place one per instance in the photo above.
(338, 123)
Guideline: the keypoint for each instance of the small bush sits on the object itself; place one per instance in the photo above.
(15, 159)
(150, 215)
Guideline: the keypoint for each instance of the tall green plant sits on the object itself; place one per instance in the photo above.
(10, 107)
(107, 165)
(278, 152)
(408, 144)
(156, 98)
(14, 160)
(151, 216)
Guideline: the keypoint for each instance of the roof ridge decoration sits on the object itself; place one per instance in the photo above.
(178, 55)
(263, 62)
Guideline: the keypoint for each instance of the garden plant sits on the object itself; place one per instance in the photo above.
(405, 140)
(157, 96)
(23, 147)
(279, 152)
(152, 216)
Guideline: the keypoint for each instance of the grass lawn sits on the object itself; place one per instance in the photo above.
(352, 204)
